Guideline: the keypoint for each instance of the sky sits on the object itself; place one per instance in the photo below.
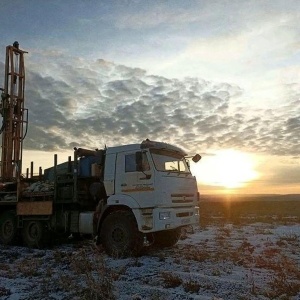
(218, 78)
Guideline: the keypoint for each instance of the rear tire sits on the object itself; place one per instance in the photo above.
(8, 228)
(33, 234)
(120, 236)
(167, 238)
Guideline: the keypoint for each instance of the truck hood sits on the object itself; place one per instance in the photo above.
(179, 190)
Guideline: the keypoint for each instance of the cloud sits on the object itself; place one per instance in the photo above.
(92, 103)
(236, 14)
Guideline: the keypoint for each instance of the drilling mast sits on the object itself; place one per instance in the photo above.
(14, 115)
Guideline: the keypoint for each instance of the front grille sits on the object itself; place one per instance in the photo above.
(182, 198)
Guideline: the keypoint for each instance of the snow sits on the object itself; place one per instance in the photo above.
(252, 261)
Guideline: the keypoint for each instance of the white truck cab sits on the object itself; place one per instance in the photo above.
(151, 182)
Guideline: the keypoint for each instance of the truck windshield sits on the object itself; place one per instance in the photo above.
(169, 161)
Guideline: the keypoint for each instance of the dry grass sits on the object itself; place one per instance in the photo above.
(285, 280)
(197, 254)
(171, 280)
(29, 267)
(4, 292)
(96, 279)
(83, 274)
(191, 286)
(291, 238)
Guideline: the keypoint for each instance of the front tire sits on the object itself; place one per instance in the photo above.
(167, 238)
(120, 236)
(8, 228)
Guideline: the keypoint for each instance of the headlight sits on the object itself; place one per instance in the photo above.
(164, 215)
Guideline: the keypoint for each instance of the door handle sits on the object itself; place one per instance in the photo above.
(123, 184)
(148, 176)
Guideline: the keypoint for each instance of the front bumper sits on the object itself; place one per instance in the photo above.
(169, 218)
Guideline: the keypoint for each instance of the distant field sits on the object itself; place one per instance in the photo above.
(245, 209)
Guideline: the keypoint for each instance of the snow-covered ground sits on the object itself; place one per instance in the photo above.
(254, 261)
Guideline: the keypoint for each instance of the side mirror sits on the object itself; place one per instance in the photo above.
(196, 158)
(139, 161)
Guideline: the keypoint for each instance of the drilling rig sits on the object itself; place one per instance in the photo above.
(14, 115)
(127, 196)
(13, 130)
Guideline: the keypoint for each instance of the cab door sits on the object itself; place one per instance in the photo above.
(132, 182)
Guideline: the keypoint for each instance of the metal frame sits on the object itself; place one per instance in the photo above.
(13, 113)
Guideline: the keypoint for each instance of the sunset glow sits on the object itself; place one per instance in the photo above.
(226, 168)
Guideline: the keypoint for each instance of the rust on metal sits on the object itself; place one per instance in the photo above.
(34, 208)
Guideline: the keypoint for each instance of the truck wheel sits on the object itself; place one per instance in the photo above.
(33, 233)
(120, 236)
(167, 238)
(8, 228)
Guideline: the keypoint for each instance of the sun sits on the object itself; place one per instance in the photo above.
(227, 168)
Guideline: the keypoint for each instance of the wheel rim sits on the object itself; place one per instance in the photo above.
(118, 235)
(33, 231)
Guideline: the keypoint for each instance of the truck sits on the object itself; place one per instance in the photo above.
(126, 197)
